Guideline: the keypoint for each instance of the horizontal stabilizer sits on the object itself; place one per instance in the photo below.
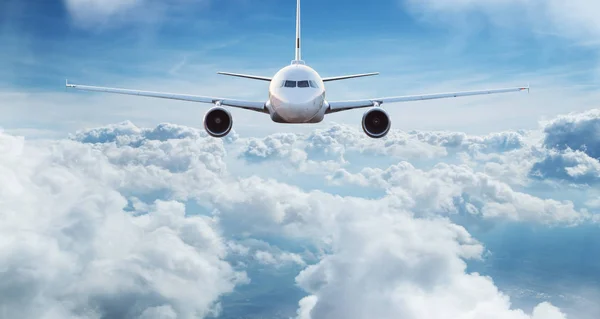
(343, 77)
(254, 77)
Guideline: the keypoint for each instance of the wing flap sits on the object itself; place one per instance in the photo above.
(337, 106)
(248, 105)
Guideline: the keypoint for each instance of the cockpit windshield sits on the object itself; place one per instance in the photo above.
(300, 84)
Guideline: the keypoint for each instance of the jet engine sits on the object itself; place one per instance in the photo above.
(218, 122)
(376, 122)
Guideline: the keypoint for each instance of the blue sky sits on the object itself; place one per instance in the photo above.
(180, 45)
(48, 43)
(115, 197)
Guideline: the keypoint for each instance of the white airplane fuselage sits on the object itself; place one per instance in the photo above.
(297, 95)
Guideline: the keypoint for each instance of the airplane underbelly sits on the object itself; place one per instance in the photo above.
(297, 112)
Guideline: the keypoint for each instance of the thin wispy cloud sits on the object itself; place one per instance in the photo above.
(111, 14)
(572, 18)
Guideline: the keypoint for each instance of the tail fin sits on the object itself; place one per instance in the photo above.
(298, 52)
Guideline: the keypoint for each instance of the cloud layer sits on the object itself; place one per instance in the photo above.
(124, 221)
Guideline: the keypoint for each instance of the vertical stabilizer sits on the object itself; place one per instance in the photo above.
(298, 53)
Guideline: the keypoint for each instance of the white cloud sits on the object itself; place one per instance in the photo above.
(108, 13)
(105, 13)
(306, 304)
(90, 8)
(568, 165)
(447, 188)
(265, 253)
(286, 147)
(390, 265)
(441, 189)
(69, 249)
(267, 258)
(573, 18)
(329, 149)
(571, 153)
(546, 310)
(160, 312)
(577, 131)
(340, 139)
(377, 257)
(494, 142)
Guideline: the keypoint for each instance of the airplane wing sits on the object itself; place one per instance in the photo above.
(248, 105)
(248, 76)
(344, 77)
(338, 106)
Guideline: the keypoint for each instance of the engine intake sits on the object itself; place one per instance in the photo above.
(218, 122)
(376, 123)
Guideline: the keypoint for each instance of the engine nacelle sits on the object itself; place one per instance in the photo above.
(376, 122)
(218, 122)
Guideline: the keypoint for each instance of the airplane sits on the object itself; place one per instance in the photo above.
(296, 95)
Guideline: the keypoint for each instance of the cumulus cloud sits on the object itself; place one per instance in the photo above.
(265, 253)
(571, 166)
(392, 265)
(285, 147)
(170, 158)
(126, 133)
(452, 188)
(69, 249)
(573, 143)
(576, 131)
(339, 140)
(141, 222)
(265, 257)
(441, 189)
(337, 145)
(276, 145)
(491, 143)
